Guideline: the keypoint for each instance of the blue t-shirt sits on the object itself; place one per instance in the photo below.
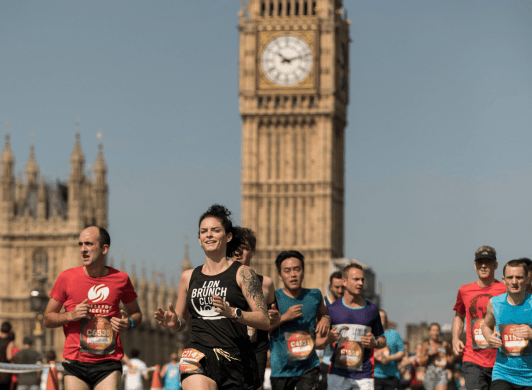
(299, 345)
(171, 377)
(513, 369)
(394, 344)
(359, 322)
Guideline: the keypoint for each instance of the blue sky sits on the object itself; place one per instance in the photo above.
(437, 143)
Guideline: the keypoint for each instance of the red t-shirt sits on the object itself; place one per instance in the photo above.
(92, 339)
(472, 301)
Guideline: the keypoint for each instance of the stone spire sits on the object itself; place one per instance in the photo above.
(75, 185)
(7, 156)
(41, 200)
(100, 190)
(100, 166)
(77, 158)
(32, 170)
(186, 261)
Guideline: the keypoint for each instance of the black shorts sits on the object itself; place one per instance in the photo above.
(308, 381)
(390, 383)
(476, 377)
(92, 373)
(231, 370)
(500, 384)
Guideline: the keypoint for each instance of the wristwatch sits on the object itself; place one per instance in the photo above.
(238, 314)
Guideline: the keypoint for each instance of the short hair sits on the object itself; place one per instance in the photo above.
(6, 327)
(486, 248)
(347, 268)
(103, 237)
(224, 216)
(27, 340)
(286, 255)
(335, 275)
(248, 236)
(515, 263)
(527, 261)
(174, 356)
(435, 324)
(135, 352)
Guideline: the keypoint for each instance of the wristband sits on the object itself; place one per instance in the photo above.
(180, 325)
(132, 323)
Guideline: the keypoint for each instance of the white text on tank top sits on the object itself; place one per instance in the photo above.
(201, 299)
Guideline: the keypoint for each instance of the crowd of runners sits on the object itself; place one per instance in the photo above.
(245, 334)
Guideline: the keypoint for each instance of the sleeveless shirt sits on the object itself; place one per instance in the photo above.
(5, 377)
(210, 329)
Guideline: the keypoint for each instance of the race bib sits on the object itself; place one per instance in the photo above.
(440, 360)
(420, 374)
(349, 349)
(251, 332)
(190, 361)
(299, 344)
(511, 344)
(380, 353)
(97, 336)
(479, 342)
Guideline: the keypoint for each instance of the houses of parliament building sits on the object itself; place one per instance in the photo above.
(293, 92)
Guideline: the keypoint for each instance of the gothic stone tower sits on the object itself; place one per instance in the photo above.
(293, 81)
(40, 224)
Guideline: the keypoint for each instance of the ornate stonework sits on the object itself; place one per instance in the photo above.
(293, 107)
(40, 223)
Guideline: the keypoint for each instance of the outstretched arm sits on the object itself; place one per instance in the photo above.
(488, 326)
(176, 319)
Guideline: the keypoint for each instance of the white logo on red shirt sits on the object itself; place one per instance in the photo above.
(98, 293)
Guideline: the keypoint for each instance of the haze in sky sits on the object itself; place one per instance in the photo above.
(438, 142)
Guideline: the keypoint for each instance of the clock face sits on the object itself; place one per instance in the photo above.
(286, 60)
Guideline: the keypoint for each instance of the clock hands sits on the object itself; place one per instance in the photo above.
(289, 60)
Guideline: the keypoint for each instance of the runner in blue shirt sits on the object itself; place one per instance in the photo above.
(170, 373)
(304, 326)
(357, 331)
(386, 359)
(511, 313)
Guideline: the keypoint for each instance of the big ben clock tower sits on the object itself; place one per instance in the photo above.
(293, 84)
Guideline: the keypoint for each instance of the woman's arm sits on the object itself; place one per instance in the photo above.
(176, 319)
(252, 290)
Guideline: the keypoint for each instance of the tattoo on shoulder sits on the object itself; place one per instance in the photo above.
(253, 288)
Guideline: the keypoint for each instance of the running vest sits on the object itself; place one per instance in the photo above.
(171, 377)
(5, 377)
(509, 366)
(210, 329)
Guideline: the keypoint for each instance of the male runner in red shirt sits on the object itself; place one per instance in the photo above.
(91, 295)
(471, 304)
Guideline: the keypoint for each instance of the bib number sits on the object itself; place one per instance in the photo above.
(97, 336)
(511, 344)
(190, 361)
(299, 344)
(349, 354)
(479, 342)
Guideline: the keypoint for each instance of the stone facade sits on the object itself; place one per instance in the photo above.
(293, 89)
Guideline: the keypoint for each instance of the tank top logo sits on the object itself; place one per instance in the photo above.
(201, 299)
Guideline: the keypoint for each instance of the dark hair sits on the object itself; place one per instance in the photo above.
(135, 352)
(286, 255)
(6, 327)
(103, 237)
(527, 261)
(50, 356)
(248, 236)
(335, 275)
(515, 263)
(223, 215)
(27, 340)
(347, 268)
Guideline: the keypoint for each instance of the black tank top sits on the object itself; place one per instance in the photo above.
(4, 376)
(209, 328)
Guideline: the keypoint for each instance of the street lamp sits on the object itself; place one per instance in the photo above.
(38, 302)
